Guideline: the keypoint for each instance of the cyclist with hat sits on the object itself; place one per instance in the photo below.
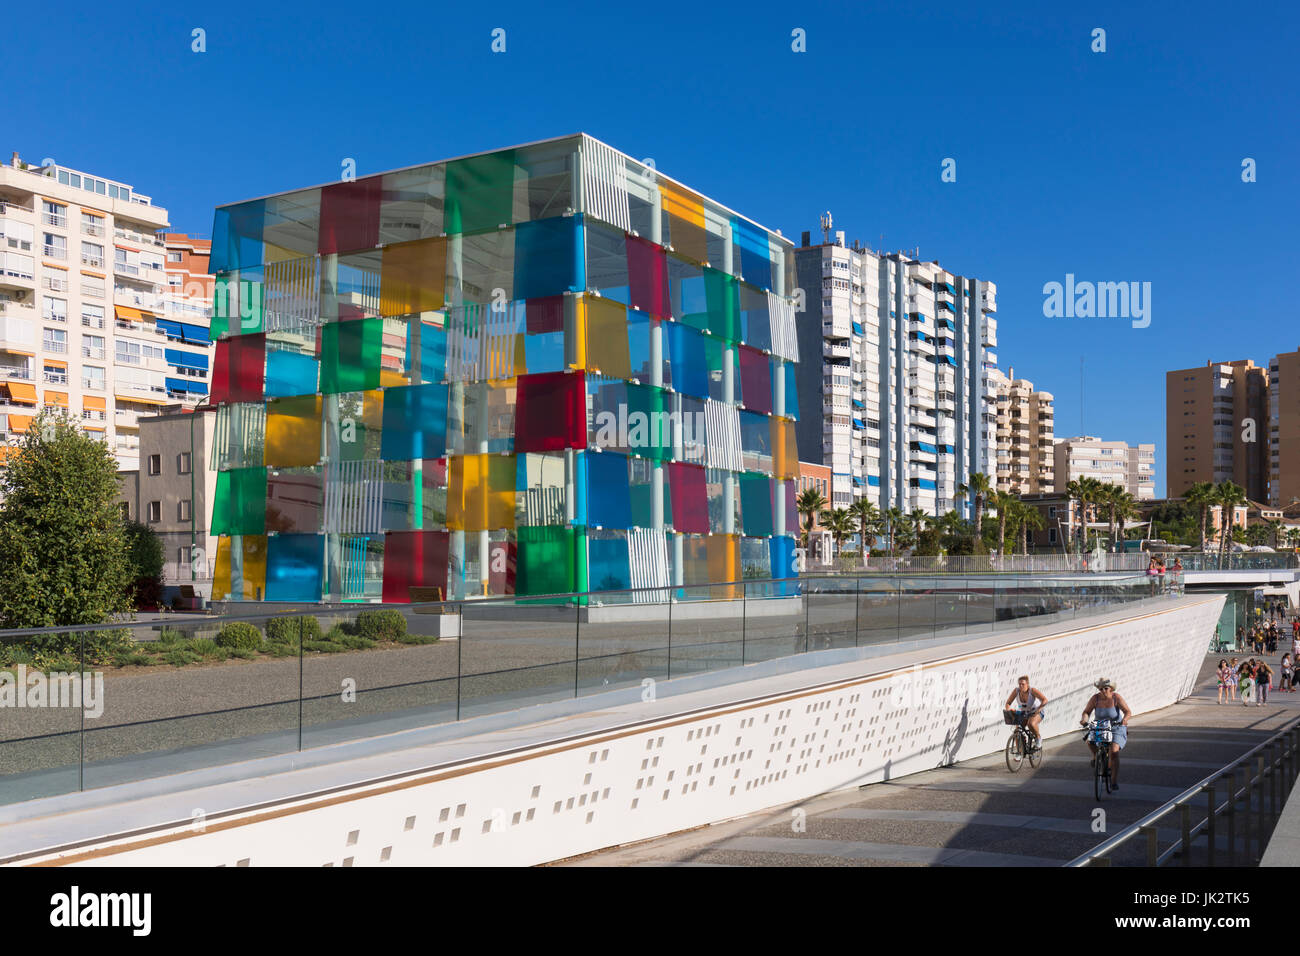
(1106, 704)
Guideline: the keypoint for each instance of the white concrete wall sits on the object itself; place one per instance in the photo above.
(674, 773)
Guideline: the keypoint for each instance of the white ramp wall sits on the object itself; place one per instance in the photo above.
(670, 774)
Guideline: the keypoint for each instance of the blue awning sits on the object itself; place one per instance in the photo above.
(173, 329)
(858, 404)
(857, 328)
(194, 333)
(859, 423)
(192, 385)
(187, 359)
(925, 483)
(873, 480)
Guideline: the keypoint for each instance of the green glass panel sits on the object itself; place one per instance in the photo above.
(350, 355)
(649, 429)
(240, 506)
(551, 560)
(722, 295)
(480, 192)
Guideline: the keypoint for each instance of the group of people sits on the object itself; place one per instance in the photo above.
(1251, 680)
(1157, 570)
(1263, 638)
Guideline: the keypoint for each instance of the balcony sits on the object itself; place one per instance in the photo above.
(92, 228)
(12, 309)
(94, 262)
(56, 378)
(138, 238)
(59, 253)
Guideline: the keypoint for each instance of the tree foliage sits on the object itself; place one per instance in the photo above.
(63, 549)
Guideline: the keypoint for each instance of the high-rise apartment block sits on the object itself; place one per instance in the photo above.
(537, 370)
(1284, 430)
(1026, 420)
(83, 290)
(1216, 420)
(1112, 462)
(907, 409)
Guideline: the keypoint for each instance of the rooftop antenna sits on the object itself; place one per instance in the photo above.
(1081, 431)
(827, 222)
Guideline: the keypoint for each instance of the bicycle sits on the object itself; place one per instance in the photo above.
(1099, 732)
(1020, 744)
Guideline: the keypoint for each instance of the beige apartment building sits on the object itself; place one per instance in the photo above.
(1025, 423)
(1208, 432)
(1284, 430)
(1114, 462)
(90, 318)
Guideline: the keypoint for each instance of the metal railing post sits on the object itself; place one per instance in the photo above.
(744, 617)
(1187, 834)
(1153, 845)
(1210, 816)
(671, 601)
(1232, 816)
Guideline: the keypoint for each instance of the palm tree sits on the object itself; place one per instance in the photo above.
(1125, 507)
(809, 503)
(1005, 504)
(867, 516)
(1275, 530)
(978, 487)
(1028, 518)
(893, 519)
(1227, 496)
(1293, 537)
(839, 523)
(1201, 497)
(1085, 491)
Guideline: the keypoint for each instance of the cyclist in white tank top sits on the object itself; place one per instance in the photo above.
(1032, 701)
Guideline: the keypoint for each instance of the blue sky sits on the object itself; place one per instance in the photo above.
(1115, 166)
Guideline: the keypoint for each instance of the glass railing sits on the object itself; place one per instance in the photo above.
(1061, 563)
(94, 706)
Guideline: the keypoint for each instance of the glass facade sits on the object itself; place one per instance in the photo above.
(538, 370)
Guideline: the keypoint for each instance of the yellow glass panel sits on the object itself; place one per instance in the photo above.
(413, 277)
(254, 567)
(273, 253)
(606, 325)
(785, 453)
(576, 337)
(221, 573)
(683, 204)
(292, 431)
(481, 492)
(724, 563)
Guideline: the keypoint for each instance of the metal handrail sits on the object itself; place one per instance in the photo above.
(1100, 855)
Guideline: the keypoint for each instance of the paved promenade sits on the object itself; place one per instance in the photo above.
(976, 813)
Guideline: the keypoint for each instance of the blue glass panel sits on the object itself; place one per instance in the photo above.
(548, 257)
(791, 393)
(752, 244)
(290, 373)
(609, 498)
(415, 423)
(293, 567)
(925, 483)
(756, 504)
(608, 568)
(689, 362)
(782, 551)
(433, 352)
(237, 236)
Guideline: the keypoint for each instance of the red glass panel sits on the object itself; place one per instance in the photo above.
(647, 275)
(755, 380)
(544, 315)
(551, 412)
(349, 215)
(414, 559)
(239, 369)
(690, 498)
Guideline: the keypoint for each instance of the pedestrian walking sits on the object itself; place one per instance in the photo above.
(1232, 680)
(1263, 681)
(1223, 672)
(1246, 680)
(1287, 674)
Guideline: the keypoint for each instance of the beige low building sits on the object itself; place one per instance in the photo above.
(172, 491)
(1111, 462)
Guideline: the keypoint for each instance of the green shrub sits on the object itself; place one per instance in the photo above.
(54, 661)
(169, 638)
(337, 634)
(243, 653)
(134, 658)
(179, 657)
(416, 639)
(381, 625)
(280, 650)
(324, 647)
(287, 630)
(240, 634)
(207, 648)
(355, 642)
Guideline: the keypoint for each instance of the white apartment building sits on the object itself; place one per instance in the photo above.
(1026, 420)
(84, 301)
(1114, 462)
(907, 411)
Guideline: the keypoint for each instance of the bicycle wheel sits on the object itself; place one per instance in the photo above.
(1015, 751)
(1100, 771)
(1036, 755)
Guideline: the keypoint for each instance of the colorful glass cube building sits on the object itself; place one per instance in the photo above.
(538, 370)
